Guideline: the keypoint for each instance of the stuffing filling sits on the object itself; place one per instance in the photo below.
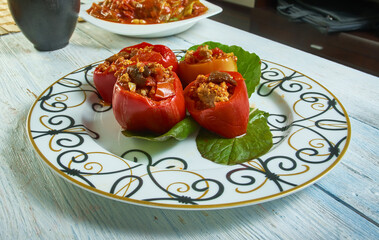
(203, 54)
(207, 91)
(121, 60)
(150, 80)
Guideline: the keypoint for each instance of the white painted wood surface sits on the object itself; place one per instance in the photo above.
(37, 204)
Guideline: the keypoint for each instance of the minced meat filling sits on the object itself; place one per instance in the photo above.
(207, 91)
(147, 79)
(123, 59)
(210, 93)
(203, 54)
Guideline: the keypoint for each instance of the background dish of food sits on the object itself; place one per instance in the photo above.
(148, 30)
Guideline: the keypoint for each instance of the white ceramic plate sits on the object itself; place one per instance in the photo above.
(80, 140)
(148, 30)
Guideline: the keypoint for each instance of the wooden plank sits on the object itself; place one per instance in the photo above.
(115, 42)
(31, 66)
(355, 181)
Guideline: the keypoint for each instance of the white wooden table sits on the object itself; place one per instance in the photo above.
(37, 204)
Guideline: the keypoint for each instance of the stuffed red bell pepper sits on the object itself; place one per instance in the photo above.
(219, 103)
(105, 75)
(148, 97)
(204, 61)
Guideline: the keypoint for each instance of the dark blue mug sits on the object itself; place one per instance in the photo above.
(48, 24)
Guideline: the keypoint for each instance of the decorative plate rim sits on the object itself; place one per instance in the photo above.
(191, 207)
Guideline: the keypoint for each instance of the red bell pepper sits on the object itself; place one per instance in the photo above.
(229, 118)
(160, 54)
(157, 112)
(104, 75)
(104, 82)
(204, 61)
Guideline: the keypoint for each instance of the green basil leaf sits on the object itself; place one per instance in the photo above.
(256, 142)
(180, 132)
(248, 64)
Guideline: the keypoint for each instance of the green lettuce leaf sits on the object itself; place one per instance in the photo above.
(256, 142)
(180, 132)
(248, 64)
